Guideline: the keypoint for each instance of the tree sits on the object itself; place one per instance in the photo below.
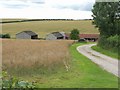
(106, 17)
(74, 34)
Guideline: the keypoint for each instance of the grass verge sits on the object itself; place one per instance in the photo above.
(82, 74)
(106, 52)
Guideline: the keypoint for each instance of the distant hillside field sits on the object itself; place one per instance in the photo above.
(44, 27)
(5, 20)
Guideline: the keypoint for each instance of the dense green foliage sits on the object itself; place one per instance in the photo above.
(4, 35)
(74, 34)
(9, 82)
(112, 41)
(106, 17)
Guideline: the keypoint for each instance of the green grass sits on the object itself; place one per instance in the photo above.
(106, 52)
(44, 27)
(82, 74)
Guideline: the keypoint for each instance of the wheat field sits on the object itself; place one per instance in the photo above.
(44, 27)
(26, 56)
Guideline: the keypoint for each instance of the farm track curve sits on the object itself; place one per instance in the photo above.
(107, 63)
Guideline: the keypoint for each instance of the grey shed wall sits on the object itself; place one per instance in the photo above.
(51, 37)
(23, 35)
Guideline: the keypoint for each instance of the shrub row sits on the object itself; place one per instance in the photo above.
(110, 43)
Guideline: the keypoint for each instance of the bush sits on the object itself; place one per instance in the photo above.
(102, 41)
(113, 41)
(9, 82)
(110, 43)
(74, 34)
(4, 35)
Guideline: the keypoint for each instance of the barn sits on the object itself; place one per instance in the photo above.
(90, 37)
(26, 35)
(55, 36)
(87, 37)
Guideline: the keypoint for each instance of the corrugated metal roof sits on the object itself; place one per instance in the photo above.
(57, 34)
(31, 33)
(63, 33)
(86, 35)
(89, 35)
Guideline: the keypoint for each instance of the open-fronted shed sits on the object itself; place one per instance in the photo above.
(26, 35)
(55, 36)
(90, 37)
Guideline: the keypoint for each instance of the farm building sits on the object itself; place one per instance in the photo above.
(87, 37)
(90, 37)
(55, 36)
(26, 35)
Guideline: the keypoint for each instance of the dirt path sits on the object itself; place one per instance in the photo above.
(107, 63)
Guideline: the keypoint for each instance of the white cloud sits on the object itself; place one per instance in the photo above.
(54, 9)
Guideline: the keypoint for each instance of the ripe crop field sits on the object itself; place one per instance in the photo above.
(25, 57)
(44, 27)
(53, 64)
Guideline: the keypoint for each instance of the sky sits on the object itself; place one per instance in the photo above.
(46, 9)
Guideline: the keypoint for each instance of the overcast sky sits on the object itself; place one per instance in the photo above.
(46, 9)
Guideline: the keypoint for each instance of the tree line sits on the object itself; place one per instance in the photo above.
(28, 20)
(106, 17)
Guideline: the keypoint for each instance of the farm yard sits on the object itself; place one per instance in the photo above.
(45, 27)
(53, 64)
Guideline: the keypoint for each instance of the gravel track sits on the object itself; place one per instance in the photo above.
(107, 63)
